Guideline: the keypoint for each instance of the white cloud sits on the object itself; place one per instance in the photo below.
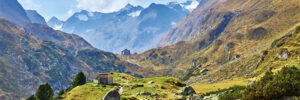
(135, 14)
(193, 5)
(82, 17)
(70, 12)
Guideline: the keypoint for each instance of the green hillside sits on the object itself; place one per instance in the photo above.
(158, 87)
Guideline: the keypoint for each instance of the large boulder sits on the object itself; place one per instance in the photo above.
(112, 95)
(187, 90)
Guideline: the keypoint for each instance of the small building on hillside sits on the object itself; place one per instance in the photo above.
(104, 78)
(125, 52)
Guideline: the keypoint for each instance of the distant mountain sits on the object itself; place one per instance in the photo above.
(13, 11)
(37, 54)
(35, 17)
(55, 23)
(133, 27)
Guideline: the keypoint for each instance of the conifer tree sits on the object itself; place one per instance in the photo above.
(44, 92)
(79, 80)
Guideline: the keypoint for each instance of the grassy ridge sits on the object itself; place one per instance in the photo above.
(164, 87)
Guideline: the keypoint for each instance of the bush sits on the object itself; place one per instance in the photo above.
(44, 92)
(79, 80)
(297, 29)
(32, 97)
(233, 93)
(285, 83)
(60, 93)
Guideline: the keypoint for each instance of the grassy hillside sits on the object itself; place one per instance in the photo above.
(161, 87)
(247, 31)
(222, 48)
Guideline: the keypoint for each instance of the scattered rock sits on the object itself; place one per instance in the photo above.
(195, 97)
(187, 90)
(145, 93)
(136, 86)
(118, 80)
(211, 97)
(150, 82)
(154, 95)
(283, 54)
(203, 70)
(250, 82)
(112, 95)
(94, 85)
(123, 77)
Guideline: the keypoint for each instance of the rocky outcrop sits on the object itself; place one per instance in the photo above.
(112, 95)
(187, 90)
(283, 54)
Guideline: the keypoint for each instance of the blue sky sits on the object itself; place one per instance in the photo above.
(62, 9)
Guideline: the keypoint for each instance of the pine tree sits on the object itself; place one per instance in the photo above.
(44, 92)
(61, 92)
(79, 80)
(31, 98)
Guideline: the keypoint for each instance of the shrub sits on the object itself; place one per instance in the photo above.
(297, 29)
(233, 93)
(79, 80)
(285, 83)
(44, 92)
(32, 97)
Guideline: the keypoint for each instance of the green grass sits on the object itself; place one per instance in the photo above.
(89, 92)
(206, 88)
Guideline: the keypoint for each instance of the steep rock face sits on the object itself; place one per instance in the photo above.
(35, 17)
(13, 11)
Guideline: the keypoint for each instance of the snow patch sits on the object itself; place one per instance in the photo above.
(58, 27)
(82, 17)
(135, 14)
(91, 14)
(192, 6)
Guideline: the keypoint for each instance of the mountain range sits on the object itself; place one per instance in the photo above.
(225, 37)
(221, 43)
(34, 53)
(133, 27)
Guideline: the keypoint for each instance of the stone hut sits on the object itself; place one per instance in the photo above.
(125, 52)
(104, 78)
